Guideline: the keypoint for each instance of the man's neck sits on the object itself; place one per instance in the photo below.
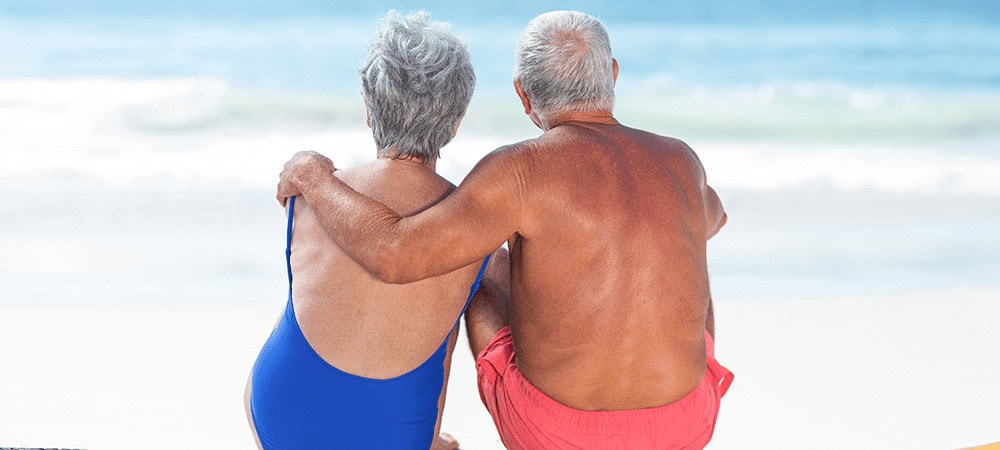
(553, 120)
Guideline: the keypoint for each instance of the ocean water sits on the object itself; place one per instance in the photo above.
(856, 144)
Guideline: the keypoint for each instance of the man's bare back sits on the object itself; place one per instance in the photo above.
(609, 274)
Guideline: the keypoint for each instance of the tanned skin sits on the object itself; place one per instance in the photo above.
(607, 229)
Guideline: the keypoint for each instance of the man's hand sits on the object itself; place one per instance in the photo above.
(302, 164)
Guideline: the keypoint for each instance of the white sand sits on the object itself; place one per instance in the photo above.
(154, 378)
(908, 370)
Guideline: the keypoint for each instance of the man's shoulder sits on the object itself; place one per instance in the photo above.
(510, 153)
(523, 146)
(556, 142)
(664, 141)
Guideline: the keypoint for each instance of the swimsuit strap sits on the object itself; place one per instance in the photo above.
(288, 241)
(472, 292)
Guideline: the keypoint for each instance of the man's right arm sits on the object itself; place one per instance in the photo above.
(714, 213)
(464, 227)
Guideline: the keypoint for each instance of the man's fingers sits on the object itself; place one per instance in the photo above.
(285, 190)
(306, 160)
(309, 156)
(306, 153)
(279, 194)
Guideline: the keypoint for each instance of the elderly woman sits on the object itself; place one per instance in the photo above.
(354, 362)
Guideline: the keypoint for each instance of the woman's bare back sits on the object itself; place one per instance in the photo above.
(355, 322)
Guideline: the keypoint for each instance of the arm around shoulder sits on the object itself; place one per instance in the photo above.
(362, 227)
(468, 225)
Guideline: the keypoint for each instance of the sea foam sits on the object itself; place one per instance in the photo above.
(203, 130)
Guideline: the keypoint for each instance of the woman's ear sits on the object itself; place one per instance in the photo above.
(368, 117)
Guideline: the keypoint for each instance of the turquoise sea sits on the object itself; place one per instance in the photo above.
(856, 144)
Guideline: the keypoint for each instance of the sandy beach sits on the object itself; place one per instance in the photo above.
(913, 370)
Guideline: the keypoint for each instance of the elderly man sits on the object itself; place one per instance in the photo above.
(610, 337)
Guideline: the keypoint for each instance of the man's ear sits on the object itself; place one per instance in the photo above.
(614, 71)
(524, 97)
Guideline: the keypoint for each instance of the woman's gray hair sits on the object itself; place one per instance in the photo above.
(417, 81)
(563, 61)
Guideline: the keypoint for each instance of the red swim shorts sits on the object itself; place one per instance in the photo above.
(528, 419)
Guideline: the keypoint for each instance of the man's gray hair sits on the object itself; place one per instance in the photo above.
(563, 61)
(417, 81)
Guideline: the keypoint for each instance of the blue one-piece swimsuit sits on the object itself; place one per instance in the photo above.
(299, 401)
